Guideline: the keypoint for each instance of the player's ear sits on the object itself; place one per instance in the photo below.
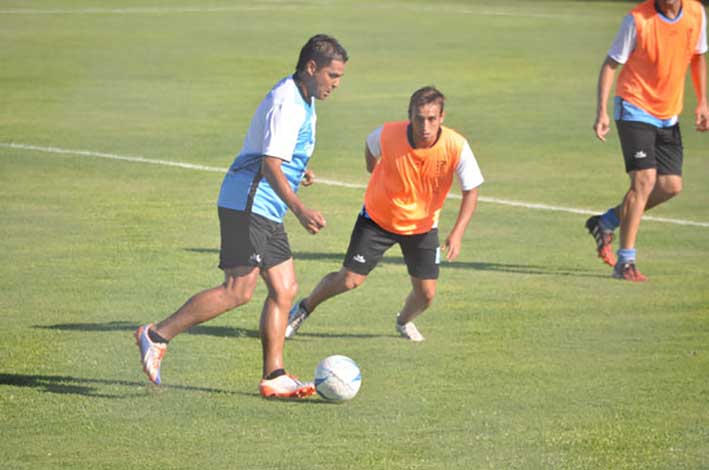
(443, 115)
(311, 67)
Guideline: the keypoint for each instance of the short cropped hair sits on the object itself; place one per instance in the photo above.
(424, 96)
(323, 49)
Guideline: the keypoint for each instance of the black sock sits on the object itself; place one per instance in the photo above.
(156, 338)
(302, 305)
(275, 374)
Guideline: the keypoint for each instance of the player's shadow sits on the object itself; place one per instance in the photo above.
(209, 330)
(67, 385)
(302, 335)
(468, 265)
(217, 331)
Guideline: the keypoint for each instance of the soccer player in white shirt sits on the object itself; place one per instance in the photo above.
(257, 190)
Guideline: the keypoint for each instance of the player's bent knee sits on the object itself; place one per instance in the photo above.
(427, 298)
(353, 281)
(290, 292)
(237, 299)
(426, 295)
(674, 189)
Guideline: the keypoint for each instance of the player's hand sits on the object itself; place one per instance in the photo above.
(312, 220)
(702, 119)
(452, 247)
(308, 178)
(602, 126)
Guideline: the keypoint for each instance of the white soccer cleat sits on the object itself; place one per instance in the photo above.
(150, 353)
(286, 386)
(409, 331)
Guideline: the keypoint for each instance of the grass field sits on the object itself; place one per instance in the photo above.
(535, 358)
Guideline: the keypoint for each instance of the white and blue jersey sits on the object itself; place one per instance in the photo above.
(282, 127)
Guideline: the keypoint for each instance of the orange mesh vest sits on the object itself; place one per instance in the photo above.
(408, 186)
(653, 76)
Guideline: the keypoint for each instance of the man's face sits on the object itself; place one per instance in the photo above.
(426, 121)
(323, 81)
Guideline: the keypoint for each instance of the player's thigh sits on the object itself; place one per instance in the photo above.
(368, 243)
(637, 141)
(281, 281)
(240, 283)
(422, 254)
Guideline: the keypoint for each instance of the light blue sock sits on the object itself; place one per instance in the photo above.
(609, 220)
(626, 255)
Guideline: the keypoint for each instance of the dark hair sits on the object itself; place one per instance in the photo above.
(323, 49)
(426, 95)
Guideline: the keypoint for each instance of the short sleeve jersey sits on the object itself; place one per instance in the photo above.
(408, 186)
(656, 51)
(283, 126)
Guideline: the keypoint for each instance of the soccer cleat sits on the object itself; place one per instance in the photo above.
(296, 317)
(285, 386)
(409, 331)
(628, 272)
(603, 238)
(150, 353)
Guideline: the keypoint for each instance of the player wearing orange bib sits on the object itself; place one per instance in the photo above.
(657, 42)
(413, 164)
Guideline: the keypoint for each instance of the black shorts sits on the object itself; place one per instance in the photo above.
(251, 240)
(646, 146)
(369, 242)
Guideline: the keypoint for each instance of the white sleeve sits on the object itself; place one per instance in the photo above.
(468, 170)
(624, 42)
(374, 142)
(702, 43)
(280, 134)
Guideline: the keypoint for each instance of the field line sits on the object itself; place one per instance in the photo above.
(329, 182)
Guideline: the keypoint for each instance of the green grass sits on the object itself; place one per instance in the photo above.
(534, 357)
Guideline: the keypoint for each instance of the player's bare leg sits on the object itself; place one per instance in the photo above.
(237, 289)
(666, 187)
(636, 199)
(642, 183)
(418, 301)
(331, 285)
(282, 288)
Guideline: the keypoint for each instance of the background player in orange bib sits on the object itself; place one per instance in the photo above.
(657, 42)
(413, 164)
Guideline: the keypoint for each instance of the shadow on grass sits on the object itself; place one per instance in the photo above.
(340, 335)
(67, 385)
(62, 384)
(218, 331)
(477, 266)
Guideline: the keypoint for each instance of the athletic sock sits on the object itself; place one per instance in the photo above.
(305, 309)
(156, 338)
(275, 374)
(609, 220)
(626, 255)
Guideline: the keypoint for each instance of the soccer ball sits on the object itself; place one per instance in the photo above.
(337, 378)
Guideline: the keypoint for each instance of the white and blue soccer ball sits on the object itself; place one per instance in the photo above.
(337, 378)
